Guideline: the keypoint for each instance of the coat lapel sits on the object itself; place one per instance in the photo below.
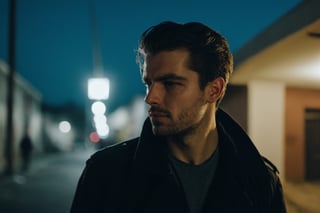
(152, 186)
(239, 164)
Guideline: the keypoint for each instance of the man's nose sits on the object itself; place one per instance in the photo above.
(153, 94)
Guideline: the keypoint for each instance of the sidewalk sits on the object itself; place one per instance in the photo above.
(48, 186)
(42, 161)
(302, 197)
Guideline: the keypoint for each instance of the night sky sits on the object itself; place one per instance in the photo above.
(54, 38)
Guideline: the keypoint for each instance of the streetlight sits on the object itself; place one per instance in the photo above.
(98, 88)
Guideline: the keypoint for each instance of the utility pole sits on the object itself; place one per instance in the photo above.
(10, 87)
(96, 50)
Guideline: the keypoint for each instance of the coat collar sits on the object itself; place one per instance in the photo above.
(237, 147)
(239, 161)
(151, 152)
(237, 150)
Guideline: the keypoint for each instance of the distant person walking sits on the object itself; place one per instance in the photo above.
(26, 150)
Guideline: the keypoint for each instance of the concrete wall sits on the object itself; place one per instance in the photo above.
(266, 100)
(27, 114)
(235, 104)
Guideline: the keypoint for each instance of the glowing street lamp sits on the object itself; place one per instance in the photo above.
(98, 88)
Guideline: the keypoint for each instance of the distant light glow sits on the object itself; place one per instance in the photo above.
(94, 137)
(103, 130)
(99, 119)
(98, 88)
(98, 108)
(64, 126)
(119, 118)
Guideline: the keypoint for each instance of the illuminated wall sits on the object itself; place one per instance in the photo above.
(266, 119)
(27, 115)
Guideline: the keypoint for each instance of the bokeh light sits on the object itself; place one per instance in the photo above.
(64, 126)
(98, 88)
(98, 108)
(94, 137)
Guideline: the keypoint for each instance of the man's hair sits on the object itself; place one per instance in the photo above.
(209, 51)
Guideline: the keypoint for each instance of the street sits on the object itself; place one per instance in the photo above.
(48, 187)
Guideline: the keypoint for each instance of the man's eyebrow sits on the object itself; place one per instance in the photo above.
(170, 76)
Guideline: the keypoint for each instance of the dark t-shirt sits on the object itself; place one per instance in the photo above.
(195, 179)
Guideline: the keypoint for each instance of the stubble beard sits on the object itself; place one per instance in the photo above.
(186, 123)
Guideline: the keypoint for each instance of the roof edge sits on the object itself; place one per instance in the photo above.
(301, 15)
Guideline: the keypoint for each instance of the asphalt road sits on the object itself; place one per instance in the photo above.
(47, 188)
(50, 185)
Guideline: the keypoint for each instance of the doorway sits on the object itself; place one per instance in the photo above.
(312, 139)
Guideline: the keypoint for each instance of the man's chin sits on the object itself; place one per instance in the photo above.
(158, 131)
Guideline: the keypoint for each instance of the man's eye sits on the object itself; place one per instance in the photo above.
(170, 84)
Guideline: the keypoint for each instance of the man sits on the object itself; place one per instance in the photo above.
(26, 150)
(191, 156)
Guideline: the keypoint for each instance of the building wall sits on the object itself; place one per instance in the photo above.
(297, 100)
(26, 115)
(235, 104)
(266, 119)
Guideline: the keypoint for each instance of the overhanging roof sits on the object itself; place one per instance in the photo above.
(285, 51)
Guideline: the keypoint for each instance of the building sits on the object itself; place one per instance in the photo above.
(276, 85)
(27, 115)
(41, 121)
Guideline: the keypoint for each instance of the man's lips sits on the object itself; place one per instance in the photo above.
(158, 113)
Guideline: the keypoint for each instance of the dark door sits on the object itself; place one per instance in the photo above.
(312, 130)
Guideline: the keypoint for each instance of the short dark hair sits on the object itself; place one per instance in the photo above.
(210, 55)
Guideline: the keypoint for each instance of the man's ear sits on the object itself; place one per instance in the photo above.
(215, 89)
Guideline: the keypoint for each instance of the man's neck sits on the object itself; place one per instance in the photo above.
(198, 146)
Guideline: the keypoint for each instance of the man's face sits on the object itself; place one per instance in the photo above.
(177, 105)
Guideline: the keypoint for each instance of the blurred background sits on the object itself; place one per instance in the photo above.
(70, 82)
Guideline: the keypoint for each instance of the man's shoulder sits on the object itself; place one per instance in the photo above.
(270, 166)
(115, 154)
(118, 150)
(273, 172)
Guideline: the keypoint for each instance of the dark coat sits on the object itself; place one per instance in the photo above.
(134, 176)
